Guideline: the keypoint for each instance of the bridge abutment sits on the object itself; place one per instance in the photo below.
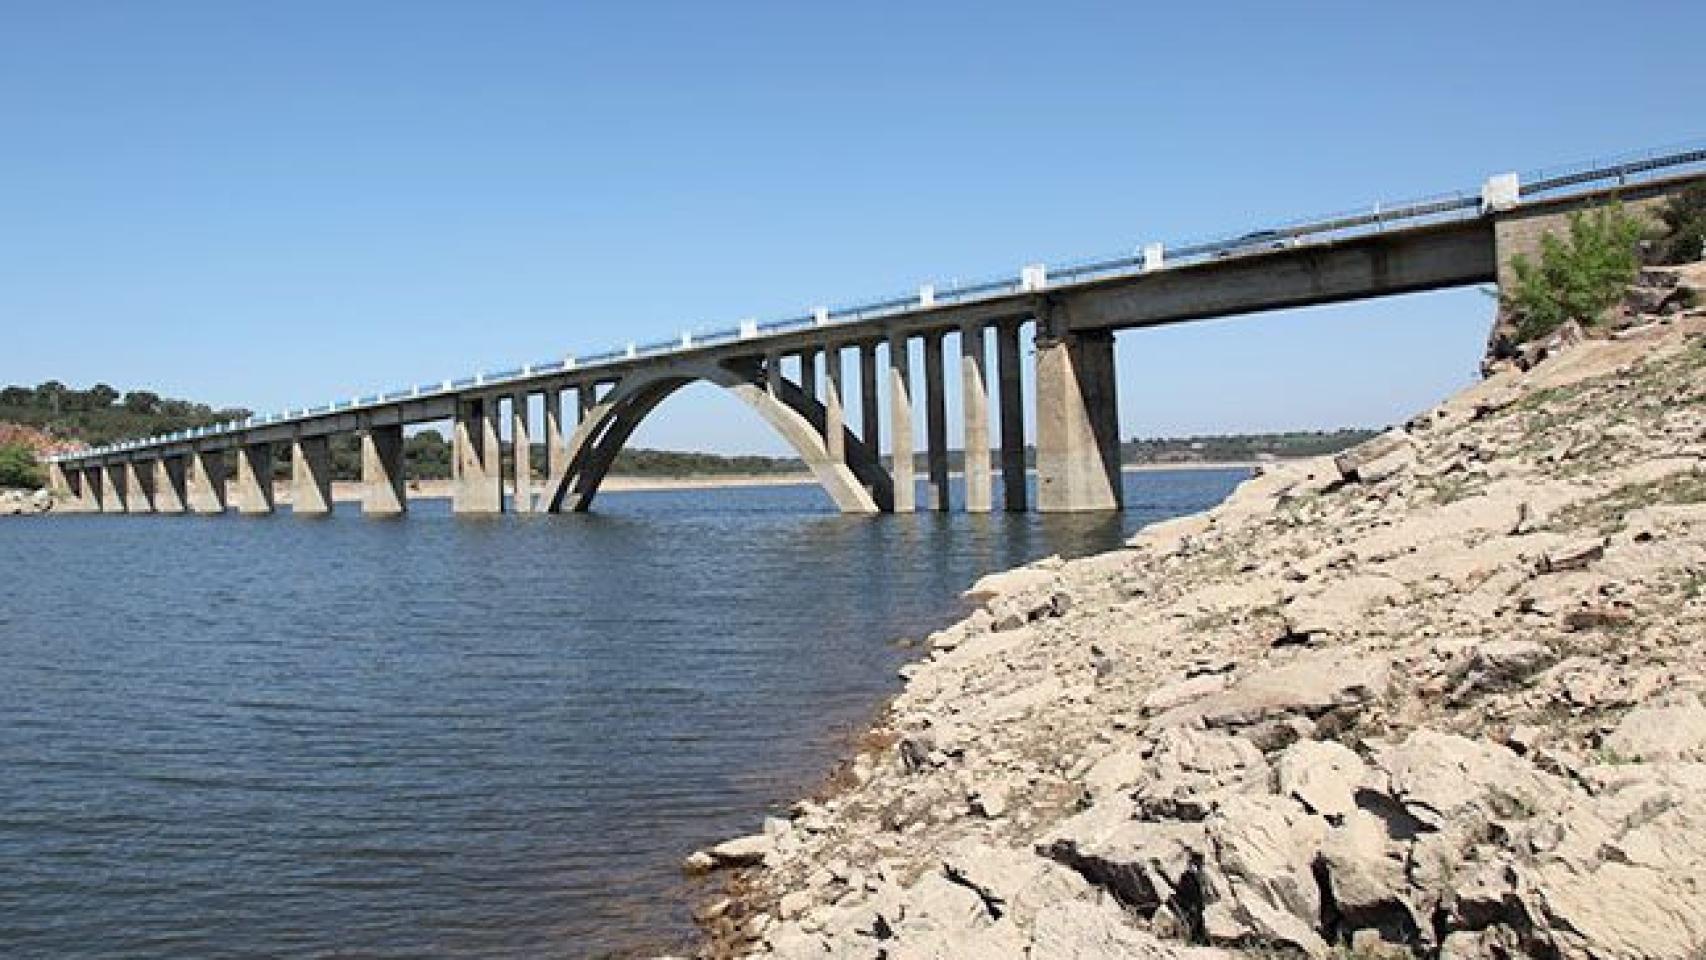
(1078, 444)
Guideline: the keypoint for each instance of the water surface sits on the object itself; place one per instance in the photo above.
(462, 737)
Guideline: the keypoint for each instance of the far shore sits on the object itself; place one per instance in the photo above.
(350, 491)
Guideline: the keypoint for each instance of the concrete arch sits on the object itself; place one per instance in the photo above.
(858, 485)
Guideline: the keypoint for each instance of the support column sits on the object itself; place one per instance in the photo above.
(89, 489)
(383, 493)
(521, 452)
(169, 494)
(254, 479)
(112, 488)
(586, 397)
(205, 481)
(808, 372)
(311, 476)
(974, 403)
(478, 485)
(773, 374)
(900, 426)
(58, 484)
(138, 487)
(935, 422)
(869, 417)
(1013, 480)
(556, 446)
(834, 419)
(1078, 444)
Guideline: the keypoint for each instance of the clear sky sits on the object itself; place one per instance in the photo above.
(272, 205)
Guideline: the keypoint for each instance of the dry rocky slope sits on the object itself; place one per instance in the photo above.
(1440, 696)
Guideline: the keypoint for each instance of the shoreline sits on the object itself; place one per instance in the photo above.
(1202, 740)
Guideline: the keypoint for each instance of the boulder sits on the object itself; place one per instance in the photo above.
(1325, 777)
(1673, 729)
(1310, 685)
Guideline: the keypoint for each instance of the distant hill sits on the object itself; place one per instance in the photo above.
(102, 414)
(52, 416)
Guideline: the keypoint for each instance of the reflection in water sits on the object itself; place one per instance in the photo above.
(260, 737)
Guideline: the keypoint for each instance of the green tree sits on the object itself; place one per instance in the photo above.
(1579, 276)
(1685, 227)
(142, 401)
(18, 467)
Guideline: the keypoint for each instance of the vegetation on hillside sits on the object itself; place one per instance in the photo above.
(1685, 227)
(18, 467)
(102, 414)
(1242, 447)
(1579, 276)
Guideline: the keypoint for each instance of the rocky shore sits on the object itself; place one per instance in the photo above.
(1440, 696)
(23, 503)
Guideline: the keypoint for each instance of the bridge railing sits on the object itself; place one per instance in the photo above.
(1626, 169)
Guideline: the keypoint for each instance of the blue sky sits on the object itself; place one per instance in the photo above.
(273, 205)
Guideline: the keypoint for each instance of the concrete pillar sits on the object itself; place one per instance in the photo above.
(521, 452)
(556, 442)
(204, 481)
(112, 488)
(58, 484)
(808, 372)
(311, 476)
(586, 397)
(935, 422)
(138, 487)
(869, 417)
(478, 484)
(1013, 483)
(89, 489)
(383, 492)
(254, 479)
(835, 418)
(773, 374)
(1078, 443)
(974, 403)
(900, 426)
(169, 493)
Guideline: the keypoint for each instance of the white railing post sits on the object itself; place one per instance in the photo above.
(820, 316)
(748, 329)
(1033, 277)
(1500, 192)
(927, 295)
(1154, 254)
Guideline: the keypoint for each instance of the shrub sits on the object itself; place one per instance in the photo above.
(1685, 227)
(1579, 276)
(18, 467)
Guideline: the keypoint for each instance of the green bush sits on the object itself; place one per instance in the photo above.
(1578, 276)
(1685, 227)
(18, 467)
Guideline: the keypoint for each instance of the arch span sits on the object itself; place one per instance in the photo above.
(857, 484)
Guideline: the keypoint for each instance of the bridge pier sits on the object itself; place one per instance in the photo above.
(1014, 482)
(935, 423)
(138, 488)
(112, 488)
(204, 481)
(974, 403)
(383, 490)
(1078, 443)
(521, 453)
(254, 479)
(870, 417)
(476, 461)
(808, 373)
(835, 415)
(900, 427)
(556, 444)
(310, 476)
(169, 485)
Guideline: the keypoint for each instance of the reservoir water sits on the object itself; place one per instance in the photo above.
(240, 737)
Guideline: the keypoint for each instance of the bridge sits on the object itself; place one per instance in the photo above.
(1071, 310)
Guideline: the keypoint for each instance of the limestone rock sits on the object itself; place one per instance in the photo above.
(1672, 730)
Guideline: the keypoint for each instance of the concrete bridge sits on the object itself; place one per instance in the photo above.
(1072, 312)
